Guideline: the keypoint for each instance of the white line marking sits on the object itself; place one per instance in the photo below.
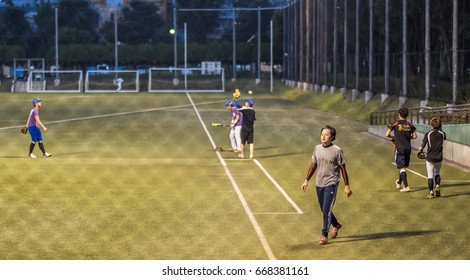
(277, 213)
(426, 177)
(286, 196)
(417, 173)
(242, 199)
(113, 115)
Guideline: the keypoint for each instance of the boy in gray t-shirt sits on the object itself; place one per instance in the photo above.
(329, 160)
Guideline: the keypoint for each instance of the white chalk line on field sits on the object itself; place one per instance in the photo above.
(113, 114)
(281, 190)
(276, 184)
(426, 177)
(235, 186)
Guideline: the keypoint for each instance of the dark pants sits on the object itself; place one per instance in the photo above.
(326, 198)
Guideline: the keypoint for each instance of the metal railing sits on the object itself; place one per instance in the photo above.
(452, 114)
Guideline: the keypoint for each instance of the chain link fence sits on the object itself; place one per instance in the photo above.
(416, 49)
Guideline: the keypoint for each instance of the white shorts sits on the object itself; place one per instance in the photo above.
(433, 169)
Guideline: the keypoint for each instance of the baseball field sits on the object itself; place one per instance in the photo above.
(135, 177)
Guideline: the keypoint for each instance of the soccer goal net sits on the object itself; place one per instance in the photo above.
(112, 81)
(186, 80)
(55, 81)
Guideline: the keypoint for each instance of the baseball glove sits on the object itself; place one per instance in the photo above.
(421, 155)
(236, 94)
(24, 130)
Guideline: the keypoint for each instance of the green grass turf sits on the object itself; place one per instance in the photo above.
(148, 185)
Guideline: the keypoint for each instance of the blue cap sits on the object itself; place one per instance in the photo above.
(229, 103)
(250, 102)
(36, 100)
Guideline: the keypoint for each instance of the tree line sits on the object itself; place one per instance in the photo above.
(143, 35)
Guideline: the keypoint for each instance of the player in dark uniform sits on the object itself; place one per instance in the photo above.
(248, 131)
(434, 139)
(403, 131)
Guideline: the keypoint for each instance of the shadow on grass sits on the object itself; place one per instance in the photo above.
(383, 235)
(372, 236)
(450, 185)
(281, 155)
(455, 194)
(54, 155)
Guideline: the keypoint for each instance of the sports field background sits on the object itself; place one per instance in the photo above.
(135, 176)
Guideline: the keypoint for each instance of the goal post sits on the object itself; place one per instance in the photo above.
(112, 81)
(55, 81)
(186, 80)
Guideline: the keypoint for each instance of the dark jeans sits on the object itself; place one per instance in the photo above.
(326, 198)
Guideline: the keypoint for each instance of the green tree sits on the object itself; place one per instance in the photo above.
(199, 24)
(14, 27)
(138, 24)
(44, 37)
(247, 21)
(78, 22)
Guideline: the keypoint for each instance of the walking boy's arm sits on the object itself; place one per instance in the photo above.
(40, 123)
(347, 189)
(310, 172)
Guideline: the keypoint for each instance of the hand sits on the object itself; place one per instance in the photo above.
(347, 191)
(304, 186)
(45, 129)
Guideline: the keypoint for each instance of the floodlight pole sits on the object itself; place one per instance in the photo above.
(175, 50)
(185, 57)
(56, 39)
(115, 43)
(234, 51)
(271, 53)
(258, 80)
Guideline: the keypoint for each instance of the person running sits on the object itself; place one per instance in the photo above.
(34, 126)
(248, 131)
(235, 126)
(434, 140)
(403, 132)
(329, 160)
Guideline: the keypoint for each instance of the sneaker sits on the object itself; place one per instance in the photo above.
(334, 231)
(430, 195)
(242, 156)
(47, 155)
(405, 189)
(323, 240)
(251, 156)
(438, 191)
(32, 156)
(397, 185)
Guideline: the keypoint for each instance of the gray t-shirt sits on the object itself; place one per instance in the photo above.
(328, 161)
